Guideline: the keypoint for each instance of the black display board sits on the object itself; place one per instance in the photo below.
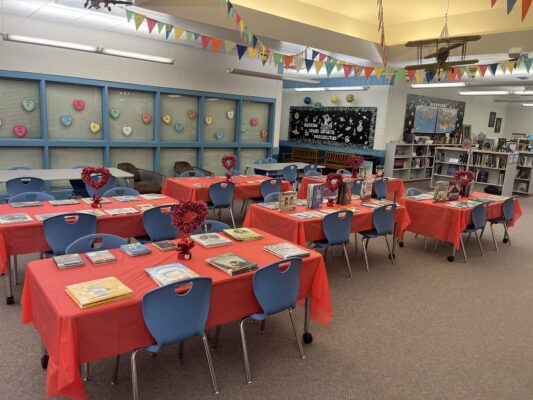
(333, 126)
(418, 107)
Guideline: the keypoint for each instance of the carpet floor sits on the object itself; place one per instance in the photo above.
(423, 329)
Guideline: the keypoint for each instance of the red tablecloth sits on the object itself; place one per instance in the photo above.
(28, 237)
(246, 187)
(73, 336)
(446, 223)
(304, 231)
(394, 187)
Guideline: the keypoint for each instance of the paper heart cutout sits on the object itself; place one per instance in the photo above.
(114, 112)
(66, 120)
(28, 105)
(264, 133)
(78, 104)
(191, 114)
(167, 119)
(254, 121)
(208, 120)
(244, 128)
(95, 127)
(230, 114)
(89, 173)
(229, 162)
(20, 130)
(179, 127)
(219, 135)
(127, 130)
(188, 216)
(147, 118)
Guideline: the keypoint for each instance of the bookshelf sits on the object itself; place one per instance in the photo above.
(490, 168)
(411, 162)
(522, 180)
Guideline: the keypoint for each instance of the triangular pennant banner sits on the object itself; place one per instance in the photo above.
(503, 66)
(492, 2)
(237, 19)
(411, 74)
(527, 63)
(451, 75)
(400, 74)
(229, 7)
(241, 26)
(189, 35)
(129, 15)
(357, 71)
(288, 61)
(205, 41)
(139, 18)
(254, 40)
(277, 58)
(241, 50)
(298, 62)
(472, 72)
(329, 66)
(493, 68)
(314, 54)
(252, 52)
(347, 70)
(510, 6)
(265, 54)
(318, 66)
(308, 63)
(151, 24)
(178, 32)
(229, 46)
(249, 36)
(368, 72)
(339, 65)
(321, 57)
(379, 72)
(430, 75)
(160, 26)
(510, 66)
(196, 35)
(389, 72)
(419, 76)
(525, 8)
(215, 44)
(483, 69)
(168, 30)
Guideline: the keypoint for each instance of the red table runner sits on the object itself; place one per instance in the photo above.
(446, 223)
(28, 237)
(394, 187)
(304, 231)
(73, 336)
(246, 187)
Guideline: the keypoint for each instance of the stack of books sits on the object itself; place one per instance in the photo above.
(287, 201)
(20, 204)
(101, 257)
(170, 273)
(6, 219)
(135, 249)
(99, 291)
(165, 245)
(286, 250)
(124, 199)
(243, 234)
(232, 264)
(68, 261)
(315, 195)
(210, 240)
(66, 202)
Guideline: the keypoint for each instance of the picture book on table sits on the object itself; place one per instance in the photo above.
(68, 261)
(422, 196)
(243, 234)
(270, 205)
(124, 199)
(307, 215)
(286, 250)
(93, 211)
(122, 211)
(89, 200)
(232, 264)
(344, 195)
(165, 245)
(6, 219)
(211, 239)
(170, 273)
(99, 291)
(366, 189)
(101, 257)
(287, 201)
(20, 204)
(152, 196)
(315, 195)
(135, 249)
(441, 191)
(144, 207)
(65, 202)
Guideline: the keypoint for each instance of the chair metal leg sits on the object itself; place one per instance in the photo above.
(245, 352)
(365, 246)
(115, 373)
(262, 327)
(85, 372)
(468, 238)
(326, 253)
(180, 351)
(355, 242)
(210, 364)
(244, 202)
(494, 238)
(479, 244)
(15, 270)
(231, 214)
(482, 232)
(436, 246)
(347, 262)
(296, 335)
(134, 380)
(507, 233)
(215, 340)
(390, 252)
(463, 248)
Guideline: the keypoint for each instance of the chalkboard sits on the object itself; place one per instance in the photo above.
(333, 126)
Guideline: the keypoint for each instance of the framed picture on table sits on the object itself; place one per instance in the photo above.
(492, 119)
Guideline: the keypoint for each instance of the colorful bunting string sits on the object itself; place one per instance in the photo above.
(526, 4)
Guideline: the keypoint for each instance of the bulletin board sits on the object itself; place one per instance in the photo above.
(12, 112)
(221, 115)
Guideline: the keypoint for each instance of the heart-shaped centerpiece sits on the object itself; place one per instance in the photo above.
(188, 216)
(167, 119)
(333, 181)
(191, 114)
(147, 118)
(78, 104)
(20, 130)
(95, 127)
(114, 112)
(88, 175)
(28, 105)
(127, 130)
(66, 120)
(229, 162)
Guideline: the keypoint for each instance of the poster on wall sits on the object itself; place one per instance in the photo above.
(333, 126)
(431, 115)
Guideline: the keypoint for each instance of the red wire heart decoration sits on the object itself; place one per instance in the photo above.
(333, 181)
(188, 216)
(229, 162)
(87, 176)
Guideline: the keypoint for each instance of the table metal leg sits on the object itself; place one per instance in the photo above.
(85, 373)
(451, 257)
(394, 235)
(9, 288)
(15, 271)
(308, 337)
(44, 356)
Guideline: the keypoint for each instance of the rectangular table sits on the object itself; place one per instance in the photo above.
(28, 237)
(395, 187)
(73, 336)
(440, 222)
(274, 167)
(55, 174)
(246, 187)
(308, 230)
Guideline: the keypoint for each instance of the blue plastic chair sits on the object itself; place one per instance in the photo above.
(221, 196)
(380, 188)
(78, 187)
(413, 191)
(111, 183)
(258, 171)
(383, 221)
(121, 191)
(157, 223)
(19, 168)
(173, 316)
(270, 160)
(211, 226)
(192, 173)
(356, 188)
(22, 185)
(290, 173)
(311, 167)
(312, 173)
(337, 227)
(272, 197)
(270, 186)
(31, 196)
(479, 219)
(276, 289)
(60, 231)
(508, 216)
(344, 172)
(95, 242)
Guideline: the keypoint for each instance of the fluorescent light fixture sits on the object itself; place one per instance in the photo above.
(486, 93)
(138, 56)
(523, 93)
(48, 42)
(354, 88)
(276, 77)
(310, 89)
(527, 104)
(437, 85)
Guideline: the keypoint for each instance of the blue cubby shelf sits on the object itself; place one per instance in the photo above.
(105, 142)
